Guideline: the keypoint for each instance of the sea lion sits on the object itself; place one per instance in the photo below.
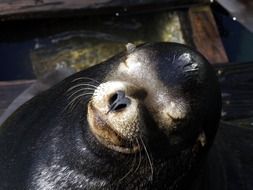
(144, 119)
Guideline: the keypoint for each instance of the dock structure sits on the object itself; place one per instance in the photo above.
(196, 22)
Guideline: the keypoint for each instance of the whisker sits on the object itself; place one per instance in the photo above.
(85, 78)
(82, 90)
(139, 163)
(73, 105)
(80, 95)
(83, 84)
(73, 100)
(149, 159)
(129, 171)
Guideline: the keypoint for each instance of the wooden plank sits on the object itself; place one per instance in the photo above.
(15, 93)
(10, 9)
(10, 90)
(206, 35)
(237, 90)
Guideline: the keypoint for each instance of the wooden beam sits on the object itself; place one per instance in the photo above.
(237, 90)
(18, 9)
(10, 90)
(206, 35)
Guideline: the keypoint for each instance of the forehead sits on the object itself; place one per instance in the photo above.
(138, 65)
(170, 66)
(142, 68)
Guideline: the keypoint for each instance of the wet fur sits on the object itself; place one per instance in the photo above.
(47, 143)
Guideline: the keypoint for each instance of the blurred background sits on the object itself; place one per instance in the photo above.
(41, 39)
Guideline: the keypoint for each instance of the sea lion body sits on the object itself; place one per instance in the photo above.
(167, 100)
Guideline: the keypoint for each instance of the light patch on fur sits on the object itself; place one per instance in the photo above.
(126, 122)
(103, 93)
(185, 57)
(56, 177)
(202, 138)
(176, 109)
(194, 65)
(134, 66)
(160, 102)
(200, 142)
(190, 65)
(130, 47)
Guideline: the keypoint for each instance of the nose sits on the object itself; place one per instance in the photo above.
(118, 101)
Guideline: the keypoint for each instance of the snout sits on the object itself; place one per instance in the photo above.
(114, 115)
(118, 101)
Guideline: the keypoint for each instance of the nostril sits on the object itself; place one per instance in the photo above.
(113, 98)
(120, 106)
(119, 95)
(118, 101)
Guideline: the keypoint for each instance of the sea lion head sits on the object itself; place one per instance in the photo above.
(141, 120)
(157, 103)
(157, 91)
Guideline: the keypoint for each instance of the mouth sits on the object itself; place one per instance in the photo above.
(126, 148)
(112, 140)
(109, 137)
